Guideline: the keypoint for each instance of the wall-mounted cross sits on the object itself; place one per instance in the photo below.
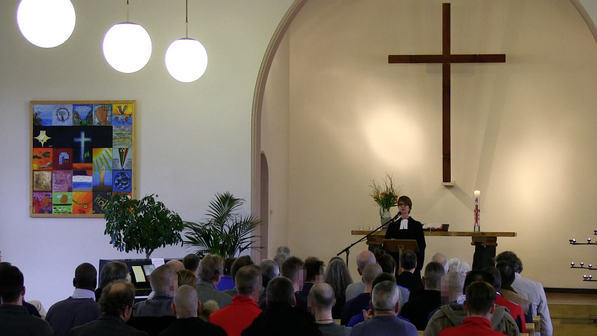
(446, 58)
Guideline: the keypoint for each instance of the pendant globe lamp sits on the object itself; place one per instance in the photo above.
(127, 45)
(186, 58)
(46, 23)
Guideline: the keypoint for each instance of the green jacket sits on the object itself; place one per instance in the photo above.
(451, 315)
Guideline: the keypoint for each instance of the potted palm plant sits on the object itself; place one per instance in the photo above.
(141, 225)
(224, 231)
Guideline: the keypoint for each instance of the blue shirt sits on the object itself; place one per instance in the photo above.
(384, 326)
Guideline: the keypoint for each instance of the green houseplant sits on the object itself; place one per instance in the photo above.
(223, 232)
(141, 225)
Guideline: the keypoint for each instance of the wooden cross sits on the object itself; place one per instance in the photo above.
(446, 58)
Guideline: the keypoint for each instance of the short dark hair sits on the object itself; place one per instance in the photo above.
(280, 290)
(85, 276)
(291, 268)
(510, 258)
(113, 270)
(228, 265)
(406, 200)
(116, 296)
(487, 274)
(238, 263)
(471, 277)
(269, 270)
(408, 259)
(383, 277)
(434, 272)
(191, 262)
(211, 267)
(387, 263)
(313, 267)
(506, 273)
(247, 279)
(480, 297)
(11, 282)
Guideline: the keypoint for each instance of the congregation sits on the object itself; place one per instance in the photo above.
(286, 296)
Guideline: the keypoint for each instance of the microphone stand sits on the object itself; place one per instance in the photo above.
(347, 248)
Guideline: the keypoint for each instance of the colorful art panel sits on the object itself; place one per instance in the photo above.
(42, 115)
(42, 181)
(62, 202)
(62, 115)
(122, 123)
(102, 114)
(42, 203)
(62, 180)
(99, 199)
(62, 159)
(82, 115)
(122, 109)
(122, 158)
(81, 152)
(123, 181)
(82, 203)
(41, 159)
(102, 169)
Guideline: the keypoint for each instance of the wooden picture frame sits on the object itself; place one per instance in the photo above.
(82, 151)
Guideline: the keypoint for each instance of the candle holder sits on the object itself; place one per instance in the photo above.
(585, 277)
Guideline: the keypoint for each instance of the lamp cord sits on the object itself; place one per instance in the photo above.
(127, 10)
(187, 19)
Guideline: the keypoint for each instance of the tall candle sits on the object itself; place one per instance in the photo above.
(477, 226)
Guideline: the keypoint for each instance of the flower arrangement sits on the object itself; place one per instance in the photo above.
(385, 196)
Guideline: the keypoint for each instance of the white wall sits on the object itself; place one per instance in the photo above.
(274, 139)
(193, 140)
(522, 132)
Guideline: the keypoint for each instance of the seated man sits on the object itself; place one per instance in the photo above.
(79, 308)
(492, 276)
(530, 289)
(363, 259)
(313, 270)
(269, 270)
(479, 306)
(164, 282)
(211, 269)
(191, 263)
(236, 265)
(388, 265)
(280, 317)
(423, 302)
(239, 314)
(356, 305)
(453, 314)
(385, 303)
(185, 306)
(116, 304)
(320, 301)
(111, 271)
(14, 318)
(507, 275)
(292, 268)
(407, 278)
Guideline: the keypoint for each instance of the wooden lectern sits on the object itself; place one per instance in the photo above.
(399, 246)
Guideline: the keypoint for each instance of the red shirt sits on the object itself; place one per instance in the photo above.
(515, 311)
(472, 326)
(237, 316)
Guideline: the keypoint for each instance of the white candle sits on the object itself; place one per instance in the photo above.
(477, 212)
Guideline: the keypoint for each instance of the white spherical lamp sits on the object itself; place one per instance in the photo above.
(186, 59)
(127, 47)
(46, 23)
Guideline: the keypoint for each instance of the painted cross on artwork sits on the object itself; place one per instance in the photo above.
(81, 153)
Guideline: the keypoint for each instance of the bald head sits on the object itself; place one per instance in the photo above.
(321, 296)
(176, 265)
(186, 302)
(363, 259)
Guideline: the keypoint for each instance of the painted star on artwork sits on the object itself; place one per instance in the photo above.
(42, 137)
